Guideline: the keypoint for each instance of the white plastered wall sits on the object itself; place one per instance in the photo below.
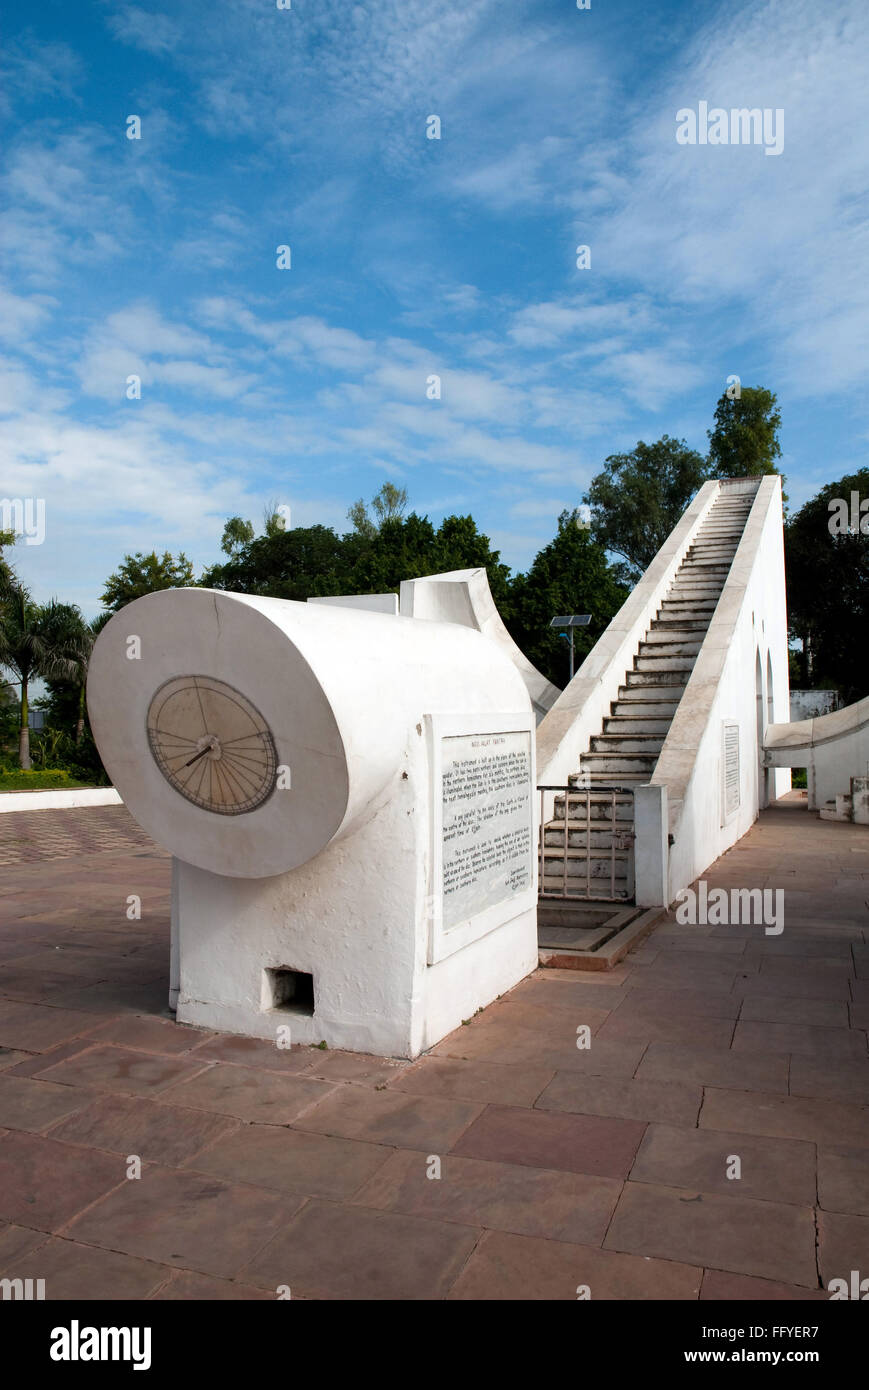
(749, 625)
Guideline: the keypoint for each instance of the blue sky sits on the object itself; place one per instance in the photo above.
(411, 257)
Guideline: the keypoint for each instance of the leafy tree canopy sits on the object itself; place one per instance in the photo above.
(638, 497)
(569, 575)
(744, 442)
(145, 574)
(828, 588)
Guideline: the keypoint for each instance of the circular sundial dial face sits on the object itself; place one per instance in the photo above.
(212, 745)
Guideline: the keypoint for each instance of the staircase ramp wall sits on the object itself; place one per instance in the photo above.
(710, 774)
(566, 731)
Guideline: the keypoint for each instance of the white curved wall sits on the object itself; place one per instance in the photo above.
(464, 597)
(832, 747)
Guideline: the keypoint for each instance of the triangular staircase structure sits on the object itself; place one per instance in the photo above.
(591, 856)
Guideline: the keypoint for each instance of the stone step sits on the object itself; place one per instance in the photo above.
(615, 764)
(686, 625)
(677, 662)
(672, 632)
(641, 742)
(668, 680)
(598, 836)
(621, 779)
(674, 646)
(693, 612)
(644, 709)
(600, 811)
(621, 724)
(601, 871)
(688, 585)
(680, 606)
(696, 592)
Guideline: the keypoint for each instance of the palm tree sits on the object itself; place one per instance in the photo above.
(83, 635)
(36, 640)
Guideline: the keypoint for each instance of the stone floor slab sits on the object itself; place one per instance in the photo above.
(44, 1184)
(498, 1196)
(667, 1102)
(522, 1268)
(775, 1170)
(330, 1251)
(593, 1144)
(286, 1160)
(768, 1239)
(185, 1219)
(388, 1117)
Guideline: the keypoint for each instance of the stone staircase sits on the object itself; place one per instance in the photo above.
(850, 806)
(597, 859)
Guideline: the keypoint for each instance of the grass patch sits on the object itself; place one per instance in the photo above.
(38, 780)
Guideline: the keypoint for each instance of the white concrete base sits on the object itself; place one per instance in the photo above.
(358, 918)
(56, 799)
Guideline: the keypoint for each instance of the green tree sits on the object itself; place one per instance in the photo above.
(237, 533)
(145, 574)
(828, 589)
(35, 640)
(389, 504)
(638, 497)
(744, 442)
(299, 563)
(569, 575)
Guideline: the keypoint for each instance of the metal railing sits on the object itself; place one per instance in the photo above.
(621, 836)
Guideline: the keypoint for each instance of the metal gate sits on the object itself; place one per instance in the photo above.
(600, 882)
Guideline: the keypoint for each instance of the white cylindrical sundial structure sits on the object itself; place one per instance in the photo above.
(245, 734)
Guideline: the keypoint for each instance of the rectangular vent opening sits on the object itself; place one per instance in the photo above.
(291, 991)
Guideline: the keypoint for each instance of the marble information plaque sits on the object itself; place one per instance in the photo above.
(487, 822)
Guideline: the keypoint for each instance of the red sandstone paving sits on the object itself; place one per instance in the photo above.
(16, 1242)
(843, 1180)
(521, 1267)
(309, 1168)
(313, 1165)
(769, 1239)
(843, 1245)
(721, 1067)
(331, 1251)
(717, 1284)
(37, 1105)
(166, 1134)
(498, 1196)
(121, 1069)
(186, 1287)
(776, 1170)
(185, 1219)
(388, 1117)
(75, 1271)
(481, 1081)
(668, 1102)
(37, 1028)
(248, 1094)
(44, 1184)
(598, 1145)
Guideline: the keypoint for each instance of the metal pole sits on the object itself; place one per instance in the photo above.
(571, 653)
